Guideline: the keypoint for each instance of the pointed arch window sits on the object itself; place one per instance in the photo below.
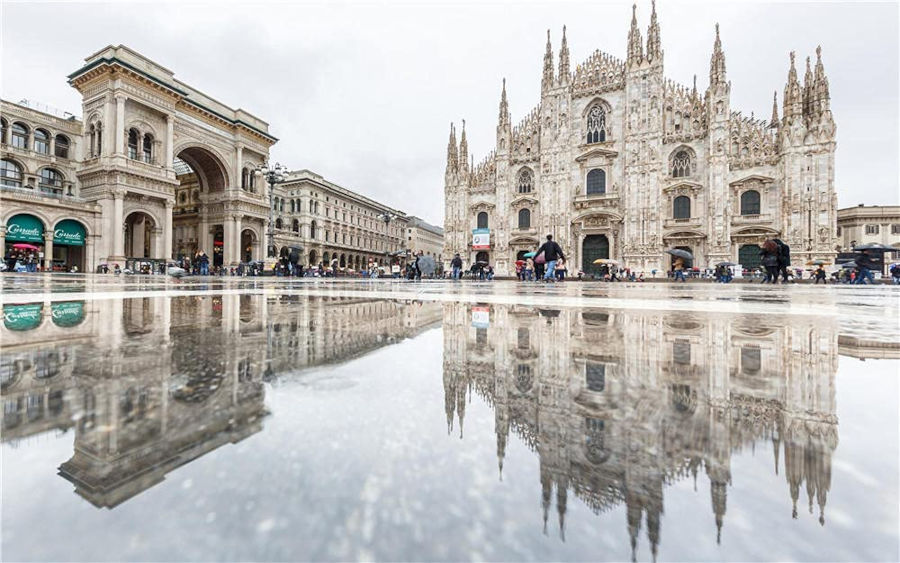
(295, 226)
(596, 124)
(681, 164)
(750, 204)
(525, 181)
(133, 137)
(148, 148)
(482, 220)
(524, 218)
(245, 179)
(596, 182)
(681, 207)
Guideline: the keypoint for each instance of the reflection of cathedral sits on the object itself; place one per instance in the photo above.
(150, 384)
(619, 404)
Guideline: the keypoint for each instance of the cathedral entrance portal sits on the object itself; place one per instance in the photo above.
(593, 248)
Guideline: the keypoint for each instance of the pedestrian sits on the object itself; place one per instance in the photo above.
(820, 275)
(770, 263)
(456, 266)
(678, 269)
(895, 273)
(865, 265)
(784, 258)
(551, 253)
(529, 269)
(203, 259)
(561, 270)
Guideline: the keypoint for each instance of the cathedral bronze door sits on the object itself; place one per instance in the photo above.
(593, 248)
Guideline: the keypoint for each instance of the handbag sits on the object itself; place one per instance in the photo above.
(540, 259)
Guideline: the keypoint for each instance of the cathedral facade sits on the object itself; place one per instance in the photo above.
(619, 162)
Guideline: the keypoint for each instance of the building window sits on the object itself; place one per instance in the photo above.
(4, 129)
(148, 148)
(279, 224)
(96, 138)
(525, 182)
(312, 230)
(133, 137)
(895, 229)
(595, 376)
(750, 203)
(62, 146)
(681, 207)
(19, 136)
(482, 220)
(296, 226)
(872, 229)
(10, 174)
(596, 182)
(681, 164)
(41, 141)
(51, 180)
(596, 125)
(681, 352)
(751, 360)
(524, 218)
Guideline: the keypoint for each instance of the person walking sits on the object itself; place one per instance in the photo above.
(678, 268)
(770, 263)
(895, 274)
(552, 253)
(784, 259)
(820, 275)
(204, 264)
(561, 270)
(865, 265)
(456, 265)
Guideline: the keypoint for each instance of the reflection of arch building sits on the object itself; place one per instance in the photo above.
(137, 413)
(614, 149)
(618, 404)
(144, 135)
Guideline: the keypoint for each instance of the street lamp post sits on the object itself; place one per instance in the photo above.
(387, 217)
(273, 175)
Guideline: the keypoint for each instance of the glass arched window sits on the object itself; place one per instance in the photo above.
(4, 129)
(148, 148)
(750, 203)
(41, 141)
(281, 206)
(596, 124)
(482, 220)
(525, 182)
(10, 174)
(133, 137)
(51, 180)
(252, 181)
(596, 182)
(245, 179)
(295, 226)
(61, 150)
(278, 223)
(681, 207)
(19, 136)
(681, 164)
(312, 230)
(524, 218)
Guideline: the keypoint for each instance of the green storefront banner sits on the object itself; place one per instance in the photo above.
(22, 317)
(67, 313)
(24, 228)
(69, 233)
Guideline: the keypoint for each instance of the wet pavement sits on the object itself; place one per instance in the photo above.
(147, 418)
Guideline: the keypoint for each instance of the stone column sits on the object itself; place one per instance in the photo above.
(156, 251)
(120, 124)
(3, 239)
(170, 141)
(118, 235)
(239, 169)
(167, 231)
(228, 241)
(89, 259)
(48, 250)
(239, 250)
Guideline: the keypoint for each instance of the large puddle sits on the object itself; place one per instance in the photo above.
(275, 426)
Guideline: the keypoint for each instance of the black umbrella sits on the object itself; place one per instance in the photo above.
(680, 253)
(426, 265)
(849, 265)
(876, 246)
(726, 264)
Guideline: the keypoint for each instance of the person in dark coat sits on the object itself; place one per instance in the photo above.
(784, 258)
(552, 252)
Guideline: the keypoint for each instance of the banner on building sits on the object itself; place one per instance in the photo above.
(481, 239)
(481, 317)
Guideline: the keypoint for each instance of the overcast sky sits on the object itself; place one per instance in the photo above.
(363, 93)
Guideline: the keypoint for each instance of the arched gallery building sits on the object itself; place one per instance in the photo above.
(102, 190)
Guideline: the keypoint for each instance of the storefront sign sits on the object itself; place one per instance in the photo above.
(69, 233)
(22, 317)
(67, 313)
(481, 317)
(481, 239)
(25, 228)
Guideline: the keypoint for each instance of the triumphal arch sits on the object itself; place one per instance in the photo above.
(173, 169)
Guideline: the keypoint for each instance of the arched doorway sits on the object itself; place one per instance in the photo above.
(326, 259)
(248, 245)
(200, 174)
(313, 258)
(343, 262)
(69, 238)
(218, 256)
(140, 232)
(593, 248)
(520, 255)
(748, 256)
(483, 256)
(687, 263)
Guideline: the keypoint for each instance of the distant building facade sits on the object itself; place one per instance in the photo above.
(425, 238)
(867, 224)
(619, 162)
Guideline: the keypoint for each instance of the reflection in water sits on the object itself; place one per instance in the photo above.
(150, 384)
(619, 405)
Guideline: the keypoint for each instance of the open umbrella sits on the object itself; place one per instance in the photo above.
(849, 265)
(482, 262)
(426, 265)
(605, 261)
(530, 254)
(819, 262)
(878, 247)
(726, 264)
(520, 262)
(680, 253)
(24, 246)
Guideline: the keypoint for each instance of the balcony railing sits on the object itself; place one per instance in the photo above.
(43, 191)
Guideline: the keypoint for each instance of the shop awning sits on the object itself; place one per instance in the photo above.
(22, 317)
(69, 233)
(24, 228)
(67, 313)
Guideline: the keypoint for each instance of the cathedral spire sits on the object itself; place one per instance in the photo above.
(717, 62)
(822, 95)
(452, 154)
(504, 107)
(654, 51)
(463, 165)
(793, 96)
(547, 81)
(773, 123)
(808, 92)
(694, 90)
(564, 59)
(635, 45)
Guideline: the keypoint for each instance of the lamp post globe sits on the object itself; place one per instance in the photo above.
(273, 174)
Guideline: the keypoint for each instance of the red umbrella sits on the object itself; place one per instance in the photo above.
(24, 246)
(218, 243)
